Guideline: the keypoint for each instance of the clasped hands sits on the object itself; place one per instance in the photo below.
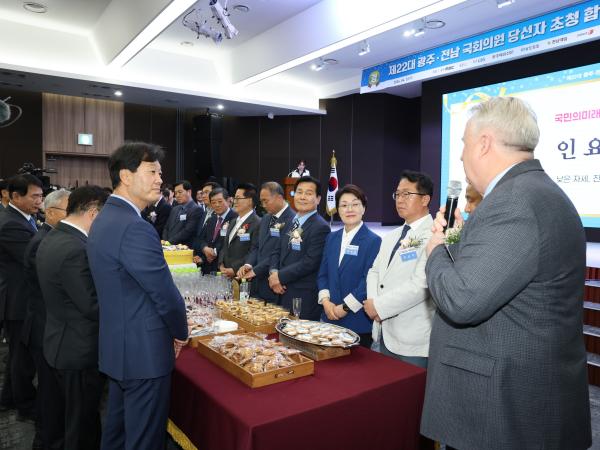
(275, 284)
(333, 311)
(438, 237)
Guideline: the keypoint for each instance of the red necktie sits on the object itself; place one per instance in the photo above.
(217, 228)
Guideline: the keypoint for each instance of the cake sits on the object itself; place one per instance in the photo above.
(176, 255)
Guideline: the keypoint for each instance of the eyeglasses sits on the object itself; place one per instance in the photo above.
(404, 194)
(355, 205)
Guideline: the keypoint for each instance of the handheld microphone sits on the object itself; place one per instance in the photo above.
(454, 190)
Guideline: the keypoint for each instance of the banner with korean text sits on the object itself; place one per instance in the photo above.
(565, 27)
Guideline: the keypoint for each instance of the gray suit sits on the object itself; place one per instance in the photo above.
(507, 363)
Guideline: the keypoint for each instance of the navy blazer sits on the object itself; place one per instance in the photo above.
(262, 249)
(233, 253)
(141, 309)
(205, 239)
(349, 277)
(298, 269)
(178, 231)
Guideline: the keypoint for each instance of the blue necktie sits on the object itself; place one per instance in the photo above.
(295, 226)
(405, 231)
(32, 222)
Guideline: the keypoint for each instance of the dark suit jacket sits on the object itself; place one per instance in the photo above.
(206, 240)
(233, 253)
(507, 362)
(262, 250)
(141, 309)
(298, 268)
(71, 332)
(35, 320)
(162, 211)
(178, 231)
(349, 277)
(15, 234)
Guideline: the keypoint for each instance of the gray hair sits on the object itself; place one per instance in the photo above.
(273, 187)
(55, 197)
(513, 120)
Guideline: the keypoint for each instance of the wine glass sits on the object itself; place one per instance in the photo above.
(296, 307)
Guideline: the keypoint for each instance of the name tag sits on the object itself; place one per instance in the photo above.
(408, 255)
(223, 232)
(351, 250)
(274, 232)
(182, 217)
(244, 237)
(296, 246)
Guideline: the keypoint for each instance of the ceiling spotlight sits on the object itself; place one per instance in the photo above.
(409, 33)
(186, 44)
(219, 106)
(364, 48)
(35, 7)
(419, 32)
(434, 24)
(118, 93)
(503, 3)
(241, 8)
(319, 65)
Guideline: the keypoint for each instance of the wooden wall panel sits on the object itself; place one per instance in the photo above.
(65, 116)
(73, 171)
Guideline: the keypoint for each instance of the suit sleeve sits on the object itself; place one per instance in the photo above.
(77, 281)
(252, 257)
(310, 261)
(201, 240)
(142, 257)
(497, 260)
(360, 291)
(161, 219)
(190, 228)
(14, 240)
(323, 276)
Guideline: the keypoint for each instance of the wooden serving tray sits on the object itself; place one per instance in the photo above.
(304, 368)
(194, 340)
(314, 351)
(268, 328)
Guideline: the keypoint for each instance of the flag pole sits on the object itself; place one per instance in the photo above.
(332, 188)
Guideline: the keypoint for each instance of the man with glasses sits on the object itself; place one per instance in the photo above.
(17, 228)
(397, 296)
(242, 232)
(209, 243)
(185, 218)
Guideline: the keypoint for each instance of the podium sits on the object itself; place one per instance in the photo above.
(288, 189)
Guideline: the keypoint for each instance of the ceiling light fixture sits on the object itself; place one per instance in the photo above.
(186, 44)
(409, 33)
(175, 9)
(503, 3)
(318, 66)
(420, 32)
(34, 7)
(241, 8)
(364, 48)
(434, 24)
(219, 106)
(118, 93)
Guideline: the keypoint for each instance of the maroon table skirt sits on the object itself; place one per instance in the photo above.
(362, 401)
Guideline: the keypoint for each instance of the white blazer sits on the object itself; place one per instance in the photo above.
(401, 296)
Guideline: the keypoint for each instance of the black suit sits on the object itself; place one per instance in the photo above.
(15, 234)
(183, 224)
(233, 254)
(205, 239)
(260, 255)
(71, 332)
(298, 269)
(49, 423)
(161, 214)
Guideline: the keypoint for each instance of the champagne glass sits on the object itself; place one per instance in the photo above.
(296, 307)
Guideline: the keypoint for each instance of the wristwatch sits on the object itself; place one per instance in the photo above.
(345, 307)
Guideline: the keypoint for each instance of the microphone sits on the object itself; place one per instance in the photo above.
(454, 189)
(4, 111)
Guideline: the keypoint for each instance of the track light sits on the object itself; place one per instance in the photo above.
(419, 32)
(503, 3)
(409, 33)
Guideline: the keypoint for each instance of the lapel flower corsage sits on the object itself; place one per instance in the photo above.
(410, 242)
(243, 229)
(296, 236)
(152, 216)
(453, 235)
(278, 226)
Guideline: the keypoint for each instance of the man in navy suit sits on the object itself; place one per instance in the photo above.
(185, 218)
(17, 228)
(294, 268)
(208, 245)
(158, 214)
(143, 323)
(273, 227)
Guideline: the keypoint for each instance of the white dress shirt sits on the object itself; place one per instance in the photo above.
(238, 224)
